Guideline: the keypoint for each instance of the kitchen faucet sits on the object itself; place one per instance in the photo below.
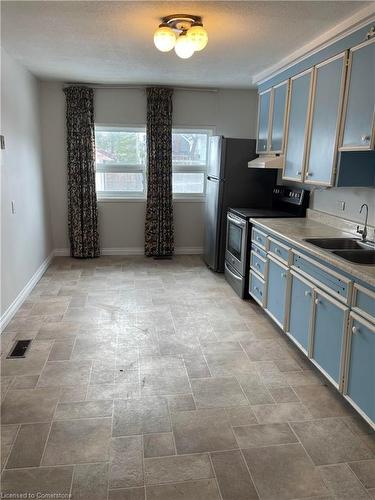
(363, 231)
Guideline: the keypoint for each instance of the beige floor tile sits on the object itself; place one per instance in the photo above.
(217, 392)
(94, 348)
(90, 482)
(158, 445)
(283, 394)
(58, 331)
(226, 364)
(181, 403)
(83, 409)
(37, 481)
(178, 468)
(241, 415)
(25, 382)
(78, 441)
(141, 416)
(323, 401)
(8, 435)
(205, 489)
(127, 494)
(196, 366)
(283, 472)
(126, 468)
(342, 483)
(154, 385)
(265, 350)
(29, 405)
(69, 394)
(329, 441)
(252, 436)
(306, 377)
(232, 476)
(202, 430)
(215, 347)
(162, 366)
(281, 412)
(29, 445)
(32, 364)
(61, 350)
(365, 471)
(62, 373)
(255, 391)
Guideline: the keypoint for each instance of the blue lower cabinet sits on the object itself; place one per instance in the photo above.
(361, 366)
(329, 326)
(277, 281)
(301, 303)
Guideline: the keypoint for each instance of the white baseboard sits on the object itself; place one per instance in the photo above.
(64, 252)
(18, 301)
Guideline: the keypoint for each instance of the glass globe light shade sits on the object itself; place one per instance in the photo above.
(164, 38)
(184, 47)
(198, 35)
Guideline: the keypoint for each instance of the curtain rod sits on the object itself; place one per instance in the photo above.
(136, 87)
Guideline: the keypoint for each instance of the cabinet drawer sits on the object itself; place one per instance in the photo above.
(278, 250)
(256, 288)
(257, 263)
(259, 238)
(325, 278)
(360, 373)
(364, 302)
(258, 251)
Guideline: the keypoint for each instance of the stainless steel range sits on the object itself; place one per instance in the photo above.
(286, 202)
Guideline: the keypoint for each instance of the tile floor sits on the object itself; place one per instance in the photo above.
(152, 379)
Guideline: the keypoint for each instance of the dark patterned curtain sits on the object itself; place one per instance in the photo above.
(159, 212)
(82, 206)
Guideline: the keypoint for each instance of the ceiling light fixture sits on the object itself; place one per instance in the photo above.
(183, 32)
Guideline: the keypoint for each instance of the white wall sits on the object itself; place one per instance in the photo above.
(231, 112)
(329, 201)
(25, 238)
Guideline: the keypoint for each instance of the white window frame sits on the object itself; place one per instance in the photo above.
(122, 168)
(112, 196)
(202, 168)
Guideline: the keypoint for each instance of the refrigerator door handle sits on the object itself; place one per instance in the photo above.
(235, 275)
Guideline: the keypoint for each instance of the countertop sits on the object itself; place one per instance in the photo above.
(295, 230)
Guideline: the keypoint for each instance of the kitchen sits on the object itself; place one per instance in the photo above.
(209, 330)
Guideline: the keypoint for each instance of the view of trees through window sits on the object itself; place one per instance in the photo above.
(121, 160)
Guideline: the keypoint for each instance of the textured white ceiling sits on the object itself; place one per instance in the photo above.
(112, 41)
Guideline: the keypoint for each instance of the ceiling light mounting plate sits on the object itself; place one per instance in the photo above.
(181, 22)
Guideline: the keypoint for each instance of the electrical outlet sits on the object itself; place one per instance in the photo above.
(13, 207)
(341, 205)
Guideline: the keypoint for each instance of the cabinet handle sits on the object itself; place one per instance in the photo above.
(355, 330)
(259, 239)
(307, 293)
(257, 265)
(298, 172)
(277, 250)
(309, 174)
(317, 301)
(365, 138)
(283, 275)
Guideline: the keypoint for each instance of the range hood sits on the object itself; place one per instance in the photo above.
(267, 161)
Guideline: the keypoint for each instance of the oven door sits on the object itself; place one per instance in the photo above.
(235, 251)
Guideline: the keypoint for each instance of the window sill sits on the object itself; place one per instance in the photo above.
(118, 199)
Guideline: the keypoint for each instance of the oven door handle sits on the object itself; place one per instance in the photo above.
(238, 222)
(235, 275)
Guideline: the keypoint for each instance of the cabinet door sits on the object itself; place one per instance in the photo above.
(263, 121)
(300, 310)
(359, 129)
(360, 384)
(326, 107)
(277, 279)
(279, 101)
(297, 123)
(329, 324)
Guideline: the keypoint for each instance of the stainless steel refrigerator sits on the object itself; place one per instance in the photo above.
(230, 183)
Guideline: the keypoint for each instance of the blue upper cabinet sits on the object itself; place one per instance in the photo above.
(358, 119)
(263, 121)
(296, 127)
(278, 113)
(325, 116)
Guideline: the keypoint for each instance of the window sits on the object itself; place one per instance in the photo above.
(121, 161)
(189, 160)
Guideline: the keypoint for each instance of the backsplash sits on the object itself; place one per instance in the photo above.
(339, 223)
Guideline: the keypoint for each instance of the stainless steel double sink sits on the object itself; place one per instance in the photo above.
(352, 249)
